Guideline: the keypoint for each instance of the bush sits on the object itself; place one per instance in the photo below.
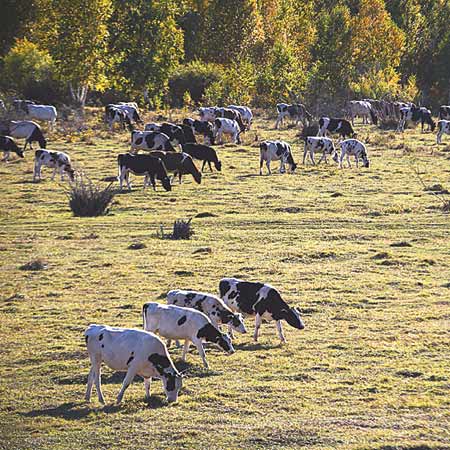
(87, 199)
(181, 230)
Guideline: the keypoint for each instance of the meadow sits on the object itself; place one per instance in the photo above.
(364, 254)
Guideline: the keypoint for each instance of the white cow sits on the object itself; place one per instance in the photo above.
(353, 147)
(276, 151)
(58, 161)
(443, 128)
(28, 130)
(362, 108)
(207, 113)
(315, 144)
(135, 352)
(226, 126)
(46, 113)
(174, 322)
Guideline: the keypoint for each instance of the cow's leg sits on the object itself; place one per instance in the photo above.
(203, 165)
(341, 159)
(323, 157)
(348, 160)
(439, 137)
(185, 349)
(258, 322)
(127, 179)
(261, 162)
(209, 164)
(280, 331)
(5, 156)
(126, 382)
(96, 364)
(147, 383)
(152, 181)
(37, 171)
(90, 382)
(282, 168)
(201, 351)
(54, 173)
(268, 166)
(356, 160)
(305, 151)
(311, 157)
(277, 123)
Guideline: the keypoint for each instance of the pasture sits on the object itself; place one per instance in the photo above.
(364, 253)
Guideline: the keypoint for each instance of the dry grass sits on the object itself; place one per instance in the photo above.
(370, 370)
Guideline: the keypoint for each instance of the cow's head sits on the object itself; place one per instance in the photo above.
(365, 159)
(68, 169)
(165, 181)
(211, 334)
(292, 317)
(173, 382)
(236, 321)
(218, 165)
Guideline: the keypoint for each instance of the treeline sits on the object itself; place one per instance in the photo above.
(256, 52)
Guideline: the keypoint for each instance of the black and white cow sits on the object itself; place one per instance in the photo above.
(179, 164)
(130, 110)
(58, 161)
(296, 112)
(207, 114)
(28, 130)
(231, 114)
(353, 147)
(135, 352)
(143, 165)
(114, 114)
(333, 125)
(415, 114)
(7, 145)
(174, 132)
(189, 135)
(227, 126)
(444, 112)
(204, 128)
(20, 105)
(246, 114)
(361, 108)
(443, 127)
(203, 153)
(323, 145)
(260, 300)
(175, 322)
(276, 151)
(150, 140)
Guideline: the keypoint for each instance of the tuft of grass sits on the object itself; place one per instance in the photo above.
(181, 230)
(36, 264)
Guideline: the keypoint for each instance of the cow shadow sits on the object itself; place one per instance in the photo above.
(195, 371)
(108, 378)
(68, 411)
(255, 346)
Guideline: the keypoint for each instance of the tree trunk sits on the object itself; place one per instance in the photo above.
(79, 94)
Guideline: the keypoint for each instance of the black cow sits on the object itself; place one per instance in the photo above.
(260, 300)
(333, 125)
(179, 164)
(203, 153)
(8, 145)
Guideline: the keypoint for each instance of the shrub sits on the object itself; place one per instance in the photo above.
(181, 230)
(87, 199)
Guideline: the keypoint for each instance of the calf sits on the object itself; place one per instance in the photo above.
(150, 140)
(315, 144)
(7, 145)
(443, 128)
(444, 112)
(114, 115)
(135, 352)
(333, 125)
(296, 112)
(276, 151)
(203, 153)
(31, 131)
(355, 148)
(174, 322)
(362, 109)
(59, 161)
(260, 300)
(209, 304)
(179, 163)
(206, 129)
(144, 165)
(227, 126)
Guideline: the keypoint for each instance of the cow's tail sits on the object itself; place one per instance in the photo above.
(144, 314)
(373, 116)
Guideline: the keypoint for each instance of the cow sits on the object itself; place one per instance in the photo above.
(135, 352)
(174, 132)
(175, 322)
(246, 114)
(444, 112)
(260, 300)
(206, 129)
(227, 126)
(20, 105)
(443, 127)
(209, 304)
(333, 125)
(150, 140)
(207, 114)
(179, 164)
(7, 145)
(114, 114)
(353, 147)
(315, 144)
(189, 135)
(28, 130)
(276, 151)
(144, 165)
(130, 110)
(45, 113)
(362, 109)
(58, 161)
(296, 112)
(231, 114)
(203, 153)
(415, 114)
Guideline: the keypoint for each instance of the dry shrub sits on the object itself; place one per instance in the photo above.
(181, 230)
(87, 199)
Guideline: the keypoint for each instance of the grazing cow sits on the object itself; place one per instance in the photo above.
(58, 161)
(174, 132)
(114, 114)
(206, 129)
(150, 140)
(315, 144)
(143, 165)
(231, 114)
(353, 147)
(207, 114)
(443, 128)
(41, 112)
(227, 126)
(332, 125)
(179, 164)
(28, 130)
(211, 305)
(260, 300)
(414, 114)
(362, 109)
(276, 151)
(246, 114)
(7, 145)
(135, 352)
(203, 153)
(296, 112)
(444, 112)
(130, 110)
(174, 322)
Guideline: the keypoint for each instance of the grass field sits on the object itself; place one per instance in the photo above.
(364, 253)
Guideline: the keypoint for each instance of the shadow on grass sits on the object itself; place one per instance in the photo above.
(68, 411)
(255, 346)
(195, 371)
